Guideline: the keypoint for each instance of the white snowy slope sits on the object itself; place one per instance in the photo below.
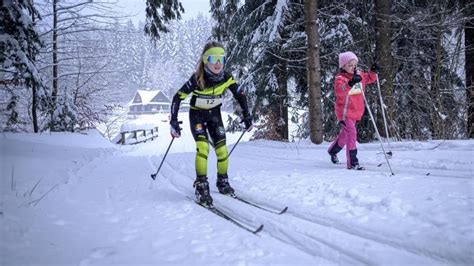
(76, 199)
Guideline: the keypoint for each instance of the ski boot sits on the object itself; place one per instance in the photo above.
(354, 162)
(333, 153)
(356, 167)
(334, 159)
(223, 185)
(202, 192)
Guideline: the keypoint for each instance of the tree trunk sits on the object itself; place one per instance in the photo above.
(282, 127)
(54, 92)
(437, 106)
(34, 101)
(314, 72)
(34, 107)
(383, 57)
(469, 68)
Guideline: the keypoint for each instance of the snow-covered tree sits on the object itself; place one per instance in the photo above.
(159, 13)
(427, 81)
(222, 13)
(420, 61)
(20, 44)
(75, 58)
(257, 52)
(469, 67)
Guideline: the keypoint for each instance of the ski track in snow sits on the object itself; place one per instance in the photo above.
(307, 240)
(311, 239)
(335, 216)
(388, 239)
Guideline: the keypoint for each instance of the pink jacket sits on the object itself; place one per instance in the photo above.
(350, 106)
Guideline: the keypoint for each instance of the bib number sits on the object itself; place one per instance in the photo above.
(356, 89)
(208, 103)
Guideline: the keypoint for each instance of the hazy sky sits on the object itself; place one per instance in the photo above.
(136, 8)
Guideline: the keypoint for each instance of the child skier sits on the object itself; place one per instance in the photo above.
(207, 86)
(348, 86)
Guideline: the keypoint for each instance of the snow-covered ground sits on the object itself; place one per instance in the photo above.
(77, 199)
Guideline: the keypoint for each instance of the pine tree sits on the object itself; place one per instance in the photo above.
(159, 13)
(426, 82)
(20, 45)
(258, 52)
(469, 67)
(222, 13)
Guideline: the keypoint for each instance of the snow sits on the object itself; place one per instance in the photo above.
(77, 199)
(129, 127)
(280, 5)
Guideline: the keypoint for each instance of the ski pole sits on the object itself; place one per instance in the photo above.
(237, 142)
(377, 131)
(153, 176)
(383, 113)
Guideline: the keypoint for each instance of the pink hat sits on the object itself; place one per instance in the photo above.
(345, 57)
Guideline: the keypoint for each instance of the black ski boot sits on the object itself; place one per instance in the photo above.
(223, 185)
(356, 167)
(202, 191)
(333, 153)
(354, 161)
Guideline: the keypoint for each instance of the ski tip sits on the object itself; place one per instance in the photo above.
(284, 210)
(427, 174)
(379, 165)
(260, 228)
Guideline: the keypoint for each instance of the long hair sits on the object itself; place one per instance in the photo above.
(200, 66)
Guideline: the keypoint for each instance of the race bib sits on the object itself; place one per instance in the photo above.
(208, 102)
(356, 89)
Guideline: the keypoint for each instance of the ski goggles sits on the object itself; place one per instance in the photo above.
(213, 59)
(214, 55)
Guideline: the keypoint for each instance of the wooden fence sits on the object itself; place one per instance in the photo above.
(137, 136)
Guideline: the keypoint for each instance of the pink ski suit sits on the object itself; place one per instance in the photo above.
(349, 109)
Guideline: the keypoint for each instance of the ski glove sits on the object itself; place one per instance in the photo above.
(175, 130)
(247, 120)
(375, 68)
(356, 78)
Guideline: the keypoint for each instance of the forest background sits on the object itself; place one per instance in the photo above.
(70, 65)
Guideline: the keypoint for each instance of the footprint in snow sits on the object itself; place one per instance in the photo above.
(98, 253)
(130, 234)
